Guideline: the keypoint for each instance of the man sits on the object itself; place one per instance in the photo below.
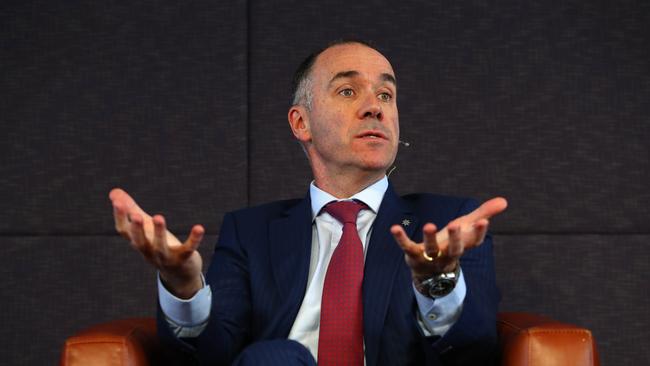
(296, 281)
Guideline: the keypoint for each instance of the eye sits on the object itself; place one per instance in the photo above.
(385, 97)
(347, 92)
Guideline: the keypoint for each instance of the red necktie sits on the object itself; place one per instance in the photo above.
(340, 339)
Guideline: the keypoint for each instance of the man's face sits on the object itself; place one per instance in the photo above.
(353, 123)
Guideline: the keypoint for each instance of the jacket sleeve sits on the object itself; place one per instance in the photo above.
(472, 340)
(227, 330)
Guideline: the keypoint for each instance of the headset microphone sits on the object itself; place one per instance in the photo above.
(406, 144)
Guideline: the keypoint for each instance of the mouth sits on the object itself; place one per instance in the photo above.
(372, 134)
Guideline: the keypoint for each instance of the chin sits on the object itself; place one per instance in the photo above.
(374, 162)
(377, 166)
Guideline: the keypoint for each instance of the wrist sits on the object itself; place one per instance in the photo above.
(421, 277)
(437, 285)
(182, 288)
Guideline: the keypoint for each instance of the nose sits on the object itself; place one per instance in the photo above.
(371, 108)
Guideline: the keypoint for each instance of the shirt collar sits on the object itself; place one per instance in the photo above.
(371, 196)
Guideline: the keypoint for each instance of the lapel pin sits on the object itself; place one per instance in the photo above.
(406, 222)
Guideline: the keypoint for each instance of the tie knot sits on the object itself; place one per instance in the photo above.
(345, 211)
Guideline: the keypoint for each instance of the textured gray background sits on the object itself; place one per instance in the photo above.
(184, 105)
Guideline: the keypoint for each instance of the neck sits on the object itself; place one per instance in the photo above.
(346, 185)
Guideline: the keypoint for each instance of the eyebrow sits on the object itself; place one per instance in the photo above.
(353, 73)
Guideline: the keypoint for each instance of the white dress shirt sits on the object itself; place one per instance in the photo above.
(189, 317)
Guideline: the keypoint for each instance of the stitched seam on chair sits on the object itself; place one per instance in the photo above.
(132, 335)
(66, 353)
(510, 325)
(576, 331)
(528, 349)
(108, 339)
(74, 343)
(125, 354)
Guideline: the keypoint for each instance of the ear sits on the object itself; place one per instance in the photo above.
(299, 122)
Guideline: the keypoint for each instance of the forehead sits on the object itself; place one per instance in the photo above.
(368, 62)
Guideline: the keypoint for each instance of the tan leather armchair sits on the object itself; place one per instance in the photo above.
(525, 340)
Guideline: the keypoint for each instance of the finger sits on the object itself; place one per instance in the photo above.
(114, 193)
(455, 246)
(194, 239)
(120, 209)
(431, 247)
(407, 245)
(481, 228)
(159, 234)
(119, 216)
(123, 199)
(488, 209)
(138, 237)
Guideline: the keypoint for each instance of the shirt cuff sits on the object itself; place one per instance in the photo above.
(437, 316)
(186, 313)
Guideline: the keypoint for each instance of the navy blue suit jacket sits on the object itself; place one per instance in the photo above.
(260, 268)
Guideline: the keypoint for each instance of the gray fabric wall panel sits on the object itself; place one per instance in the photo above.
(56, 286)
(150, 96)
(597, 281)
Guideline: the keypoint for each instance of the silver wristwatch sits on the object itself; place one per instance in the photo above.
(439, 285)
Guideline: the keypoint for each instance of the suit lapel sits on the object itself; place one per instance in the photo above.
(290, 240)
(383, 260)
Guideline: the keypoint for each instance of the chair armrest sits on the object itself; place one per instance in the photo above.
(534, 340)
(130, 342)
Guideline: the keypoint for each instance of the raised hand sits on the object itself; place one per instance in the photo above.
(441, 250)
(179, 263)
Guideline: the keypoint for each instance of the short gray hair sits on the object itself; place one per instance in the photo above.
(304, 94)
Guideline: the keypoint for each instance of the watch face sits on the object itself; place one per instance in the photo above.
(441, 288)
